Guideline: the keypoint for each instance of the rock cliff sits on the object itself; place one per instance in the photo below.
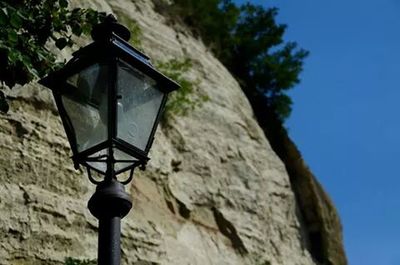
(214, 191)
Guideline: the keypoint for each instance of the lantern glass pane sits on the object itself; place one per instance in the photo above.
(139, 102)
(86, 104)
(101, 164)
(122, 160)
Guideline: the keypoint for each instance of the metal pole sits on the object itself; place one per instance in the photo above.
(109, 251)
(109, 204)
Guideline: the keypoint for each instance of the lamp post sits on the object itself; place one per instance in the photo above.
(110, 99)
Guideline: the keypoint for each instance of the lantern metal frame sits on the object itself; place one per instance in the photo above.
(109, 48)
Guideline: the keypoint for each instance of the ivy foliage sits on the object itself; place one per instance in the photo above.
(249, 42)
(72, 261)
(186, 98)
(26, 26)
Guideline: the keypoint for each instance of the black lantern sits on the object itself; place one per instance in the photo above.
(110, 98)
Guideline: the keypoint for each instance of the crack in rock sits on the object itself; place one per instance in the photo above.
(228, 230)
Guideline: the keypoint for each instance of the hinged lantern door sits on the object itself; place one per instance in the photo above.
(84, 98)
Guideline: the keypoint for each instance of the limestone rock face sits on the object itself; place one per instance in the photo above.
(214, 192)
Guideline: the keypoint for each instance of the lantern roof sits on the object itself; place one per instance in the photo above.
(110, 43)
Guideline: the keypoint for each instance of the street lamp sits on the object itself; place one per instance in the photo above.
(110, 98)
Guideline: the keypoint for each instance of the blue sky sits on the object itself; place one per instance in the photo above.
(345, 118)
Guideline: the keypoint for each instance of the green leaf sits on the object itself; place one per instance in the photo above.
(12, 36)
(76, 29)
(63, 3)
(3, 17)
(61, 43)
(86, 28)
(33, 71)
(72, 261)
(16, 20)
(14, 56)
(26, 61)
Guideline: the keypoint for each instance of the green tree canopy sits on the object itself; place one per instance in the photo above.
(249, 41)
(26, 26)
